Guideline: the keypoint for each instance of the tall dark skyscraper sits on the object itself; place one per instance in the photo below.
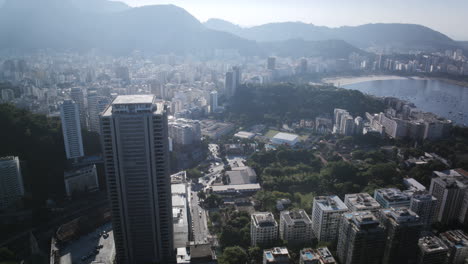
(134, 137)
(230, 83)
(271, 63)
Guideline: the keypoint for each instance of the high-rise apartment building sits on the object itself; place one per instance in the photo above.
(457, 243)
(338, 115)
(303, 66)
(96, 105)
(361, 239)
(77, 96)
(213, 101)
(134, 137)
(403, 231)
(230, 83)
(71, 128)
(263, 228)
(361, 202)
(184, 131)
(271, 63)
(432, 251)
(326, 215)
(237, 76)
(449, 187)
(347, 125)
(11, 181)
(425, 206)
(295, 226)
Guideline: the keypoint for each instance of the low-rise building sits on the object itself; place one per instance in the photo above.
(276, 255)
(309, 256)
(325, 255)
(236, 189)
(241, 175)
(83, 179)
(285, 139)
(263, 228)
(295, 226)
(214, 129)
(244, 135)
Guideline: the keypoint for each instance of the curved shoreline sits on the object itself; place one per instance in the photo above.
(340, 81)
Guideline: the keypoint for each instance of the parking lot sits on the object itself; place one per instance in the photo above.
(95, 247)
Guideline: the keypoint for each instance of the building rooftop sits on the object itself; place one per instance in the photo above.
(401, 215)
(236, 188)
(244, 134)
(326, 255)
(414, 184)
(276, 254)
(241, 175)
(430, 244)
(308, 255)
(295, 216)
(6, 158)
(361, 201)
(451, 173)
(330, 203)
(362, 219)
(263, 219)
(455, 238)
(286, 136)
(178, 188)
(393, 195)
(134, 99)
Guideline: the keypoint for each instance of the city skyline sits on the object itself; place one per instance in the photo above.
(443, 17)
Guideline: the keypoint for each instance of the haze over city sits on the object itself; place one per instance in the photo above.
(233, 132)
(444, 16)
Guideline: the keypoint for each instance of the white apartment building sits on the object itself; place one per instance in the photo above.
(326, 215)
(263, 228)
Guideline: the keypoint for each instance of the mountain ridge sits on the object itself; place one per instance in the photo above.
(380, 35)
(59, 24)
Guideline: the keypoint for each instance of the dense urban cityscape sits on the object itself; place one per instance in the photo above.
(216, 143)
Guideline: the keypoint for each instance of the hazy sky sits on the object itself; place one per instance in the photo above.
(448, 16)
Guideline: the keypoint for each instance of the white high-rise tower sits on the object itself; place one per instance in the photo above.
(71, 128)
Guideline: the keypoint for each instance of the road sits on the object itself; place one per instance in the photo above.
(199, 223)
(199, 220)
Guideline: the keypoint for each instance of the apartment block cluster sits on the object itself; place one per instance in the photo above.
(403, 120)
(400, 120)
(345, 124)
(184, 132)
(280, 255)
(393, 226)
(451, 62)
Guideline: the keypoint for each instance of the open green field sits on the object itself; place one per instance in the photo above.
(271, 133)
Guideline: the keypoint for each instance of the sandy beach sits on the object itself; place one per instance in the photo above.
(340, 81)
